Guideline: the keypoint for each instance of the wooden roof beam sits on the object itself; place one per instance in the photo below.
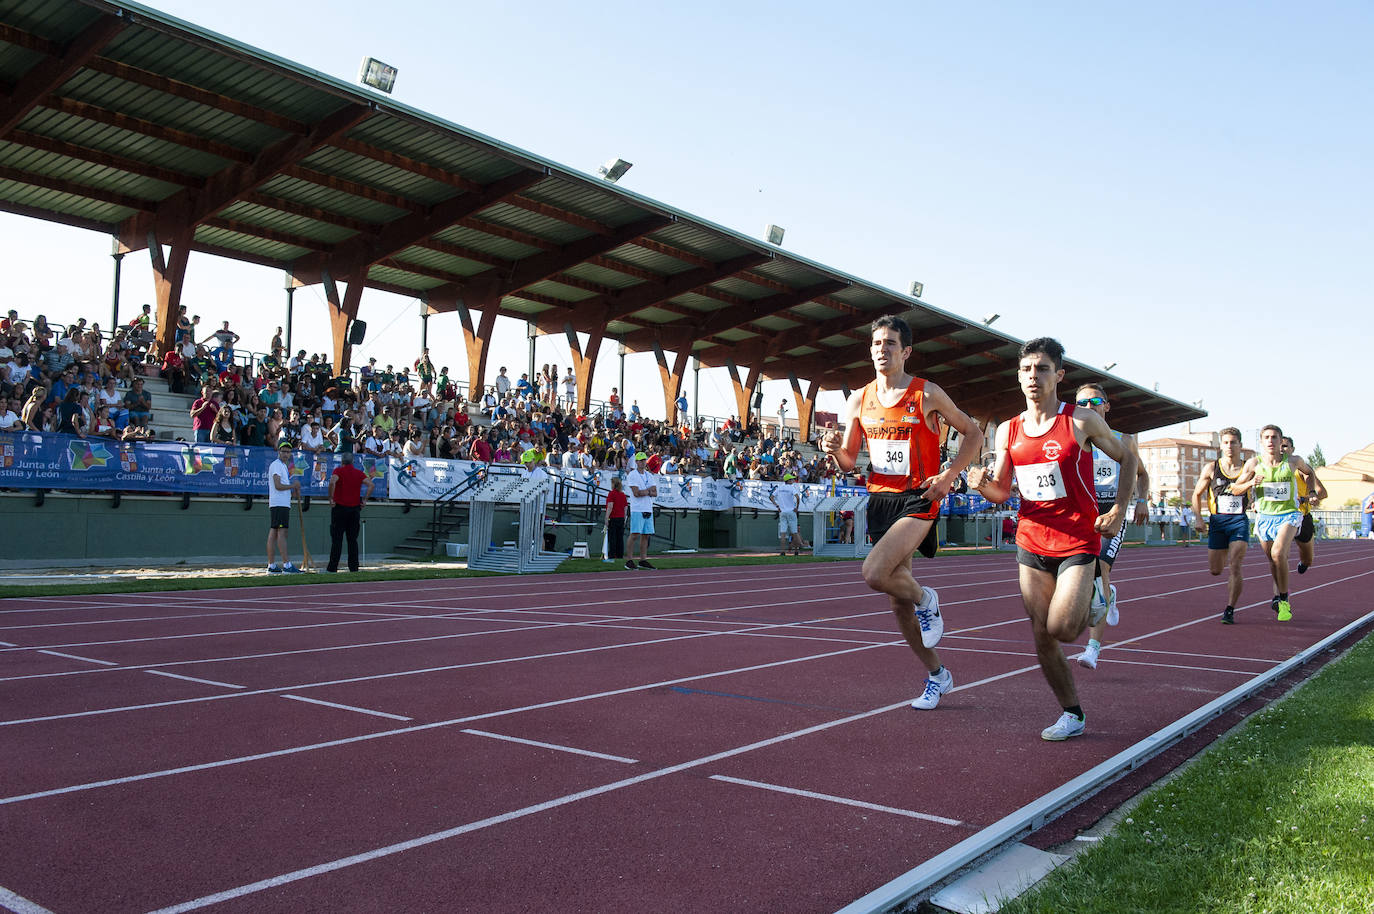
(106, 159)
(75, 188)
(190, 93)
(49, 74)
(118, 119)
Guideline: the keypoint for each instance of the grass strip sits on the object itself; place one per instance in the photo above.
(1278, 816)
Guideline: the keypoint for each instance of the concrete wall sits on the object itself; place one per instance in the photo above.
(69, 529)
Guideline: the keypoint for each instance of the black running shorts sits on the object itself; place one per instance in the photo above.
(1307, 530)
(280, 518)
(1054, 564)
(886, 508)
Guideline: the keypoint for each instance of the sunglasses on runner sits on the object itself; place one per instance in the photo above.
(1092, 401)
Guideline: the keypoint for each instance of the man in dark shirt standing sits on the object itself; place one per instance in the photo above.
(346, 494)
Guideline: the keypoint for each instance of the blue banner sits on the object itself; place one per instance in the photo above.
(33, 461)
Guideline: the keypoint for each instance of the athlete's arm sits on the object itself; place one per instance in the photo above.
(1203, 483)
(843, 444)
(1316, 492)
(1095, 431)
(1142, 483)
(1248, 478)
(938, 404)
(995, 484)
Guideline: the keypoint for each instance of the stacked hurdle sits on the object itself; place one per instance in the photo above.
(527, 555)
(828, 527)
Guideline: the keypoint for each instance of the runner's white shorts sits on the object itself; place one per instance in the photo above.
(787, 522)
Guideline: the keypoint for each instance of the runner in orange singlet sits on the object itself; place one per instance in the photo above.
(1048, 450)
(898, 415)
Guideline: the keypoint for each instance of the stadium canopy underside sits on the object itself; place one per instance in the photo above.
(121, 119)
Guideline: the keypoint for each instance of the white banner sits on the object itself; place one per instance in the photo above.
(426, 479)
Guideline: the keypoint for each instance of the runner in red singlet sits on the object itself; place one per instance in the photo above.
(898, 415)
(1047, 449)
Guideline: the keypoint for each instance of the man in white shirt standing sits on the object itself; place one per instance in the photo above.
(570, 389)
(786, 498)
(642, 486)
(502, 383)
(280, 485)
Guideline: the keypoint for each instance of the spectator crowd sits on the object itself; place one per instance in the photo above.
(76, 381)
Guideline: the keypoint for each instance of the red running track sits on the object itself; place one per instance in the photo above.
(708, 740)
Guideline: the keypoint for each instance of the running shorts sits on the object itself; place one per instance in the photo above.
(1267, 527)
(279, 517)
(1225, 529)
(787, 522)
(1110, 547)
(886, 508)
(1054, 564)
(1307, 530)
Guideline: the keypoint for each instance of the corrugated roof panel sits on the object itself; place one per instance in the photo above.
(702, 242)
(662, 264)
(69, 204)
(336, 201)
(323, 232)
(660, 317)
(56, 22)
(699, 303)
(248, 244)
(611, 279)
(742, 288)
(397, 277)
(222, 72)
(376, 174)
(491, 244)
(559, 291)
(434, 260)
(789, 273)
(426, 144)
(587, 202)
(118, 141)
(114, 94)
(533, 223)
(16, 61)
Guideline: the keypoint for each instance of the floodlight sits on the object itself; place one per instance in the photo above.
(614, 170)
(774, 234)
(1110, 367)
(990, 319)
(917, 288)
(378, 75)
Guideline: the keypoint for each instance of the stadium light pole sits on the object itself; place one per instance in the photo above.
(117, 252)
(533, 332)
(424, 321)
(290, 296)
(696, 391)
(621, 349)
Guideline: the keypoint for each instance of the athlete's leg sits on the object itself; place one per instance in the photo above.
(887, 569)
(1278, 556)
(1038, 592)
(1235, 556)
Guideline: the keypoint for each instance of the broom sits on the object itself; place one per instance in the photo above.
(307, 563)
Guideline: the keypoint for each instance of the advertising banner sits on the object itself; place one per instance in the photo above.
(33, 461)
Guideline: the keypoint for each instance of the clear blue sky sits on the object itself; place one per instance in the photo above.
(1184, 189)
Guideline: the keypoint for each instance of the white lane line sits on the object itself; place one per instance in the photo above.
(19, 904)
(82, 659)
(227, 685)
(330, 704)
(778, 788)
(421, 841)
(7, 644)
(535, 742)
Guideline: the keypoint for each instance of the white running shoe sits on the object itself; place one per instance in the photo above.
(935, 687)
(928, 615)
(1066, 726)
(1089, 656)
(1113, 616)
(1097, 606)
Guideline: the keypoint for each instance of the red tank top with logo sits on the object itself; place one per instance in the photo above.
(902, 450)
(1055, 476)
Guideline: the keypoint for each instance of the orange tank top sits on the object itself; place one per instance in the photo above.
(902, 449)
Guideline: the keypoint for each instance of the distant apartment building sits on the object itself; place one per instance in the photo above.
(1175, 464)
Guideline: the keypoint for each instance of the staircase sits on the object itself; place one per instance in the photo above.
(171, 412)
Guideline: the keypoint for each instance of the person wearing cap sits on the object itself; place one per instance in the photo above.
(280, 486)
(786, 497)
(349, 489)
(643, 487)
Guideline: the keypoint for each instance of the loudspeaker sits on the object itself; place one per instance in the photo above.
(356, 331)
(758, 400)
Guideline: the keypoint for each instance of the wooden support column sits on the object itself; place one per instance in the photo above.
(672, 377)
(169, 276)
(342, 310)
(584, 363)
(806, 406)
(477, 342)
(744, 396)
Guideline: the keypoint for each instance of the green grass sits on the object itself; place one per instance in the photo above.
(1277, 817)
